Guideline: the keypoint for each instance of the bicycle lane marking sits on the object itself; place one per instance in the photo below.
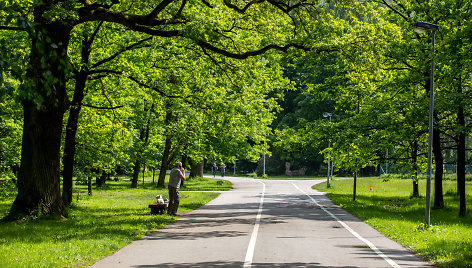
(367, 242)
(252, 242)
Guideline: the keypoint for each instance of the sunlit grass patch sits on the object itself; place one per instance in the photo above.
(96, 226)
(206, 184)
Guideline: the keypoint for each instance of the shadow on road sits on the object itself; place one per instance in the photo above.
(240, 264)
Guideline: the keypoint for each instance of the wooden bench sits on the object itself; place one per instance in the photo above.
(157, 208)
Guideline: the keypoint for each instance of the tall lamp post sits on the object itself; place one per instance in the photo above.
(325, 114)
(420, 28)
(263, 170)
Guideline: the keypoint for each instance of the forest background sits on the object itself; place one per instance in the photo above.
(90, 89)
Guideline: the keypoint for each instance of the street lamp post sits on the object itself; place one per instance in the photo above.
(325, 114)
(263, 170)
(422, 27)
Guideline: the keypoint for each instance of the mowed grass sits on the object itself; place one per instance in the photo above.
(96, 226)
(205, 184)
(390, 209)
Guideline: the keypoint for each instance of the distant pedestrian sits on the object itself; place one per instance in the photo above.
(223, 169)
(177, 176)
(214, 168)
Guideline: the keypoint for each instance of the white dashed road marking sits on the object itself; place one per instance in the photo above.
(367, 242)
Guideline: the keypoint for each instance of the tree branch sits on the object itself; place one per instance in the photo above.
(143, 24)
(241, 10)
(242, 56)
(102, 108)
(207, 4)
(162, 93)
(284, 7)
(179, 13)
(158, 9)
(95, 32)
(134, 22)
(394, 10)
(133, 46)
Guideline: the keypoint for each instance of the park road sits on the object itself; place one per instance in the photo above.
(265, 223)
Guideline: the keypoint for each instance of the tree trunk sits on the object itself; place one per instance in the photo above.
(438, 174)
(70, 139)
(137, 164)
(166, 156)
(196, 169)
(200, 168)
(68, 157)
(165, 162)
(461, 163)
(102, 179)
(39, 186)
(72, 122)
(144, 170)
(416, 189)
(143, 138)
(414, 156)
(39, 177)
(136, 168)
(89, 185)
(354, 187)
(184, 160)
(193, 170)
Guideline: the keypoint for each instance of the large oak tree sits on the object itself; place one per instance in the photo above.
(229, 28)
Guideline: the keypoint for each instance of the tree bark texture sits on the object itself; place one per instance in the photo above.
(200, 168)
(438, 173)
(414, 163)
(167, 156)
(193, 170)
(165, 162)
(461, 164)
(72, 123)
(70, 139)
(136, 168)
(39, 175)
(184, 160)
(89, 186)
(196, 169)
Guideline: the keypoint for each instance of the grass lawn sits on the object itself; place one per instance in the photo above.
(205, 184)
(389, 209)
(96, 226)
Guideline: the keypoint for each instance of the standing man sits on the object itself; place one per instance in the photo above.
(214, 167)
(177, 175)
(223, 169)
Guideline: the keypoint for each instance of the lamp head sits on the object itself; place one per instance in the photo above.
(326, 114)
(422, 27)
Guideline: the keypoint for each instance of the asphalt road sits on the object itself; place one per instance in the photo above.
(265, 223)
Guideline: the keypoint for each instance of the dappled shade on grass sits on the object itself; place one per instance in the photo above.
(96, 225)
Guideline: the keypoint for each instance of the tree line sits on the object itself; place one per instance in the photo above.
(378, 92)
(92, 86)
